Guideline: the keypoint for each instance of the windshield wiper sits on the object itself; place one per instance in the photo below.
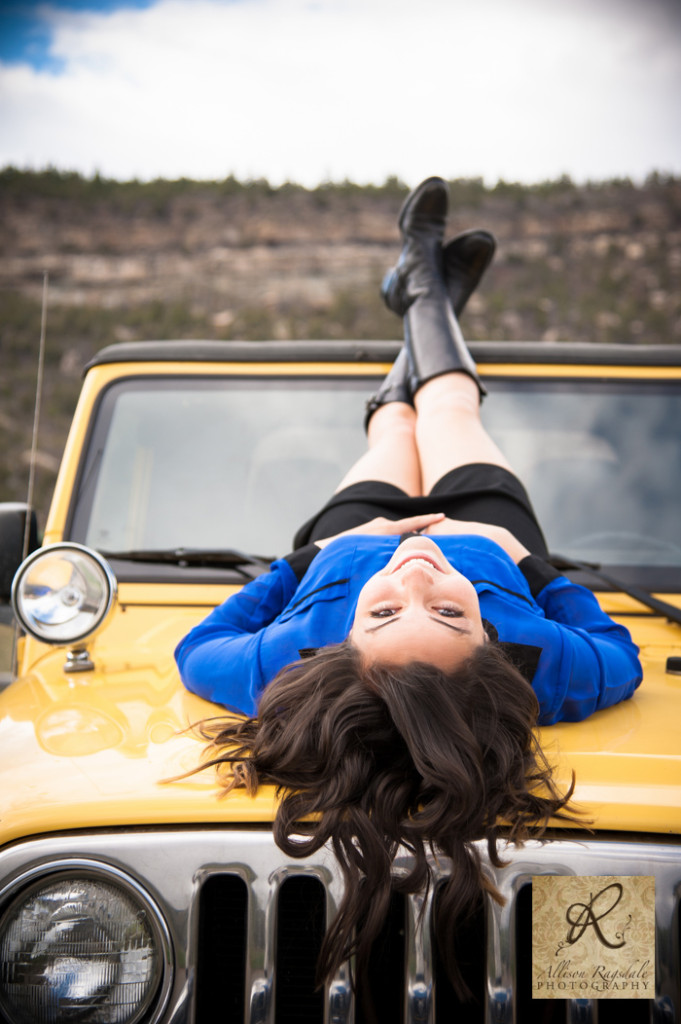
(215, 559)
(670, 611)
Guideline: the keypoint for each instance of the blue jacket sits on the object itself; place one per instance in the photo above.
(577, 659)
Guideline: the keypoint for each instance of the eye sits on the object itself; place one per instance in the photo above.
(449, 612)
(382, 613)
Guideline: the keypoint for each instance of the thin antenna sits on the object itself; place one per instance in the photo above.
(36, 415)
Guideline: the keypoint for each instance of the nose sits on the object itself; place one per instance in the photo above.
(415, 574)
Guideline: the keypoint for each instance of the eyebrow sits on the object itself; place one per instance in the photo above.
(433, 618)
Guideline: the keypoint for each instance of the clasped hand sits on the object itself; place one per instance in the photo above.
(436, 523)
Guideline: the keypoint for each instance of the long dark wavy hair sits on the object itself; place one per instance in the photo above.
(369, 758)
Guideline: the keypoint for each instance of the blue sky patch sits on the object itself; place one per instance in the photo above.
(26, 35)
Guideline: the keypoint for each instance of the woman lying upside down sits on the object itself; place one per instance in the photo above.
(393, 666)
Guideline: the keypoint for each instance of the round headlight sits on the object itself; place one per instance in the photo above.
(62, 593)
(75, 947)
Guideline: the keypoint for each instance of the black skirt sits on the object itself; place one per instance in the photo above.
(479, 492)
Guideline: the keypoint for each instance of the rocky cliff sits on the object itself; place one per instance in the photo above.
(130, 260)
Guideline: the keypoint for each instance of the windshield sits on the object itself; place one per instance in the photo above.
(215, 463)
(601, 461)
(238, 464)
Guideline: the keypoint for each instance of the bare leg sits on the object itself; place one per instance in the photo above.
(449, 431)
(392, 456)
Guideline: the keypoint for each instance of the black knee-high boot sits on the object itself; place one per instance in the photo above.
(417, 289)
(465, 259)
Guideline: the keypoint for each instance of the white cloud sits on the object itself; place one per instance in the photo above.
(353, 88)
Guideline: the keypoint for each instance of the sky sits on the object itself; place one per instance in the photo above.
(328, 90)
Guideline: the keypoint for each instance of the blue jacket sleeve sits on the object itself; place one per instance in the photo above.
(594, 661)
(220, 658)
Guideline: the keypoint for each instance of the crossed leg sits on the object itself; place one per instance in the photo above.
(414, 448)
(392, 455)
(449, 431)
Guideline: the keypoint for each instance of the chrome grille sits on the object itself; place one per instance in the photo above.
(246, 924)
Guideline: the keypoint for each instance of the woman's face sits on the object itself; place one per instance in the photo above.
(418, 608)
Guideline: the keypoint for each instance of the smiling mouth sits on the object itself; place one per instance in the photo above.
(418, 558)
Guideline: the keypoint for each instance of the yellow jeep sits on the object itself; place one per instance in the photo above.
(188, 467)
